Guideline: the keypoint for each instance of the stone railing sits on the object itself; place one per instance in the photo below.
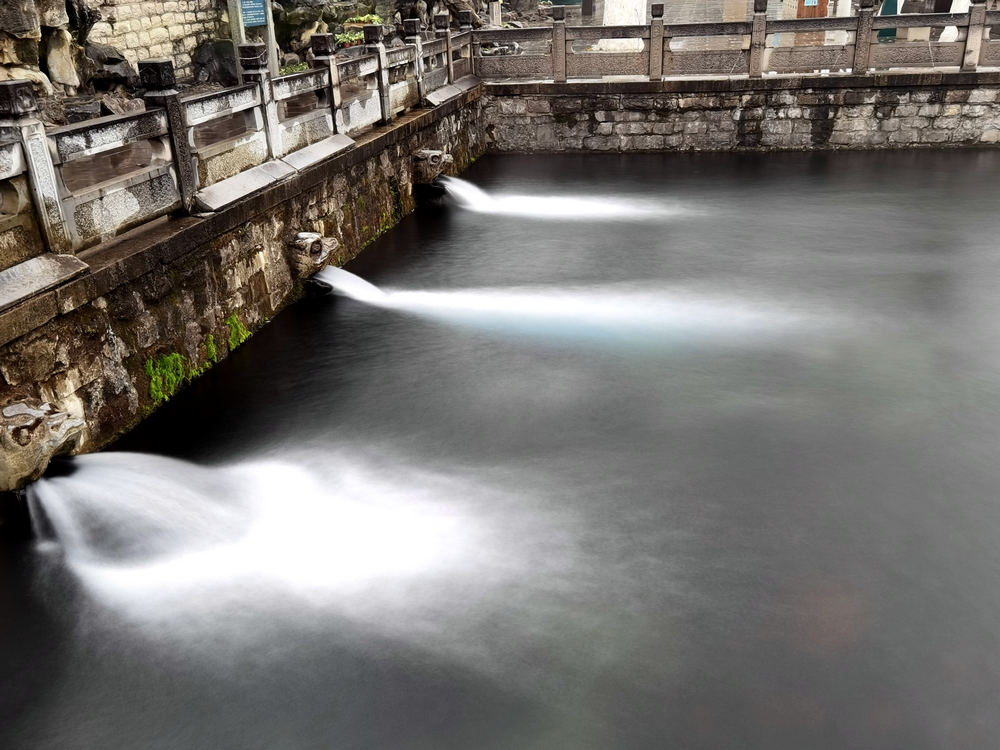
(744, 48)
(65, 189)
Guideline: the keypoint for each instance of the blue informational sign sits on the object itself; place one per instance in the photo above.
(255, 12)
(811, 4)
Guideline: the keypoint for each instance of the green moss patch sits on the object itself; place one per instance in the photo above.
(238, 332)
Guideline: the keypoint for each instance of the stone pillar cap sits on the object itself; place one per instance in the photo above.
(157, 74)
(253, 56)
(17, 98)
(323, 45)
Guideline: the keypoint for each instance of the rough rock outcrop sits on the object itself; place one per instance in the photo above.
(59, 60)
(19, 18)
(32, 433)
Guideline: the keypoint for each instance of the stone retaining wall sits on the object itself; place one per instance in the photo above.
(163, 304)
(872, 112)
(147, 29)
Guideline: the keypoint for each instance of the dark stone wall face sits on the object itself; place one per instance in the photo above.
(156, 313)
(554, 118)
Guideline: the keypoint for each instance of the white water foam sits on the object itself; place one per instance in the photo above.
(601, 208)
(624, 313)
(138, 528)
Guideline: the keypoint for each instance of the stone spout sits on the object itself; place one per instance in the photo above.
(428, 165)
(30, 435)
(309, 253)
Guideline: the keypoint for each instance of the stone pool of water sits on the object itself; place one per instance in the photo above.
(720, 472)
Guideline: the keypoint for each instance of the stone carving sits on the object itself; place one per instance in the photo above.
(309, 252)
(30, 435)
(428, 164)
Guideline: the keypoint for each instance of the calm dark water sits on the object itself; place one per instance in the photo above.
(722, 475)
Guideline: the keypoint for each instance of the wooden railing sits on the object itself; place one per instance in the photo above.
(741, 48)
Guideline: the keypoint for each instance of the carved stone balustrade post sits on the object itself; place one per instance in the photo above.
(863, 36)
(324, 49)
(656, 43)
(18, 108)
(411, 31)
(159, 81)
(374, 44)
(558, 43)
(253, 62)
(974, 36)
(442, 30)
(758, 36)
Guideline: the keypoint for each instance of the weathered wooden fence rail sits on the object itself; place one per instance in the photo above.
(68, 188)
(848, 44)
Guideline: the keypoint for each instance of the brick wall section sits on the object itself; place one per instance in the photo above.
(891, 111)
(147, 29)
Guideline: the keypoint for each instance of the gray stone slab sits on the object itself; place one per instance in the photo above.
(443, 94)
(467, 83)
(221, 194)
(37, 275)
(451, 90)
(317, 152)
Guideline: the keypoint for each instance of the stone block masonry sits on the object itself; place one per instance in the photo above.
(149, 29)
(162, 304)
(787, 113)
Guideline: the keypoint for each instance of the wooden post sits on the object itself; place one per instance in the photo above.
(18, 108)
(558, 43)
(758, 38)
(656, 43)
(158, 79)
(863, 36)
(373, 43)
(974, 35)
(442, 30)
(324, 48)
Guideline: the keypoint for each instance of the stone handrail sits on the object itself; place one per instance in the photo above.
(225, 132)
(116, 168)
(554, 52)
(71, 187)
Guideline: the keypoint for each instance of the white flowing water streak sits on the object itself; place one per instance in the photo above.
(601, 208)
(139, 528)
(617, 313)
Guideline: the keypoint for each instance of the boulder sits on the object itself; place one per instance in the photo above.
(59, 59)
(110, 67)
(31, 433)
(43, 85)
(81, 19)
(19, 18)
(53, 13)
(215, 62)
